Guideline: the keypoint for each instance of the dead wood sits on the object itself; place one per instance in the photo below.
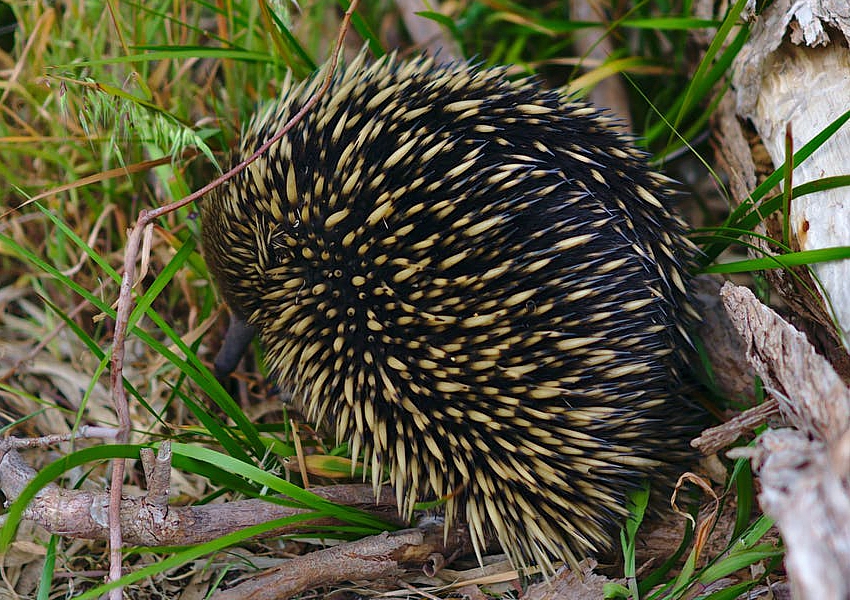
(790, 77)
(810, 393)
(729, 372)
(716, 438)
(385, 556)
(804, 472)
(151, 521)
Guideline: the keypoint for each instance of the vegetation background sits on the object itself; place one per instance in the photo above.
(109, 107)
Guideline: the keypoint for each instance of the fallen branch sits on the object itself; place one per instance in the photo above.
(804, 472)
(716, 438)
(384, 556)
(810, 393)
(151, 521)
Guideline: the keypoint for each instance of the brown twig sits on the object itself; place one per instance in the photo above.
(150, 521)
(125, 301)
(716, 438)
(382, 556)
(84, 432)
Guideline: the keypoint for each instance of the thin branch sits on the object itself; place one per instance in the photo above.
(382, 556)
(125, 302)
(150, 521)
(84, 432)
(716, 438)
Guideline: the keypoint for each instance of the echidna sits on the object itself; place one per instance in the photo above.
(479, 283)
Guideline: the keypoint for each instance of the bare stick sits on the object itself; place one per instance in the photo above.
(149, 520)
(125, 303)
(716, 438)
(382, 556)
(84, 432)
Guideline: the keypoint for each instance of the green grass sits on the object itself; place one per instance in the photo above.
(105, 89)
